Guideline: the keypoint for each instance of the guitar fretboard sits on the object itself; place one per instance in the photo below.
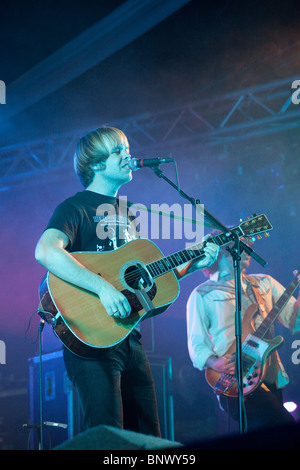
(168, 263)
(276, 310)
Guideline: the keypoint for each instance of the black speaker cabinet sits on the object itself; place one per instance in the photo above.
(50, 386)
(61, 414)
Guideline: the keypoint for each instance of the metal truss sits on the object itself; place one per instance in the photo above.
(221, 119)
(213, 122)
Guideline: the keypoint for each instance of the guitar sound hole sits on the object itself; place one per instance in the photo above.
(137, 277)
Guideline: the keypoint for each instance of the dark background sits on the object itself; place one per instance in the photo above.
(175, 91)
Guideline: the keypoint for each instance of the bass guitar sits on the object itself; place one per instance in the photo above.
(140, 271)
(256, 349)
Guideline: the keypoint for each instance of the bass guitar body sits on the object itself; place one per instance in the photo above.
(255, 354)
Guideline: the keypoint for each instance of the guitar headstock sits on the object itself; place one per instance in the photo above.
(255, 226)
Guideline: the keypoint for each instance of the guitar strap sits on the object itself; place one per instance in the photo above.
(273, 361)
(262, 309)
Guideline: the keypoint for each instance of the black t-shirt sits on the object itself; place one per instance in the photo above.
(94, 222)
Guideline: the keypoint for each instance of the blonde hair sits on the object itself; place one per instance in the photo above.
(94, 148)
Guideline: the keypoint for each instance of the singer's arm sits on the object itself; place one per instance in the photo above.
(51, 253)
(211, 251)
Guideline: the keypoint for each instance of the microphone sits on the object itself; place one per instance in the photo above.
(137, 163)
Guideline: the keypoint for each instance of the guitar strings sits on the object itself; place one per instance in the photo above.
(216, 239)
(137, 275)
(246, 348)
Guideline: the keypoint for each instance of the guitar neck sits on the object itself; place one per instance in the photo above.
(276, 310)
(169, 263)
(254, 226)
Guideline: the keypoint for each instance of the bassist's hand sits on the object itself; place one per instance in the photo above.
(224, 364)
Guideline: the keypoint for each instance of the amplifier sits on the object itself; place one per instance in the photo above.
(61, 414)
(50, 386)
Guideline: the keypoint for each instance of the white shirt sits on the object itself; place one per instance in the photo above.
(211, 316)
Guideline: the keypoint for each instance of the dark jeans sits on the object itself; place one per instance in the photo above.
(117, 389)
(263, 408)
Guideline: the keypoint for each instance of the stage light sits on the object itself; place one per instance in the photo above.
(290, 406)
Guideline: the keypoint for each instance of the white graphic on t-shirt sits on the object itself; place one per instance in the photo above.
(111, 229)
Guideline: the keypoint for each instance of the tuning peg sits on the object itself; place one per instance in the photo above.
(252, 239)
(259, 237)
(267, 234)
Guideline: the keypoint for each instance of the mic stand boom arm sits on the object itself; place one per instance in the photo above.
(210, 218)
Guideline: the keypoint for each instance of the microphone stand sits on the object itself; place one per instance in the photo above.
(235, 251)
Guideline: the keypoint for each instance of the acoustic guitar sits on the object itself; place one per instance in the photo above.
(140, 271)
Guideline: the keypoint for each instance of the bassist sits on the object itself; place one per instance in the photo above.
(211, 333)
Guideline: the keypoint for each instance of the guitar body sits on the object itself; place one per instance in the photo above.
(255, 353)
(77, 316)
